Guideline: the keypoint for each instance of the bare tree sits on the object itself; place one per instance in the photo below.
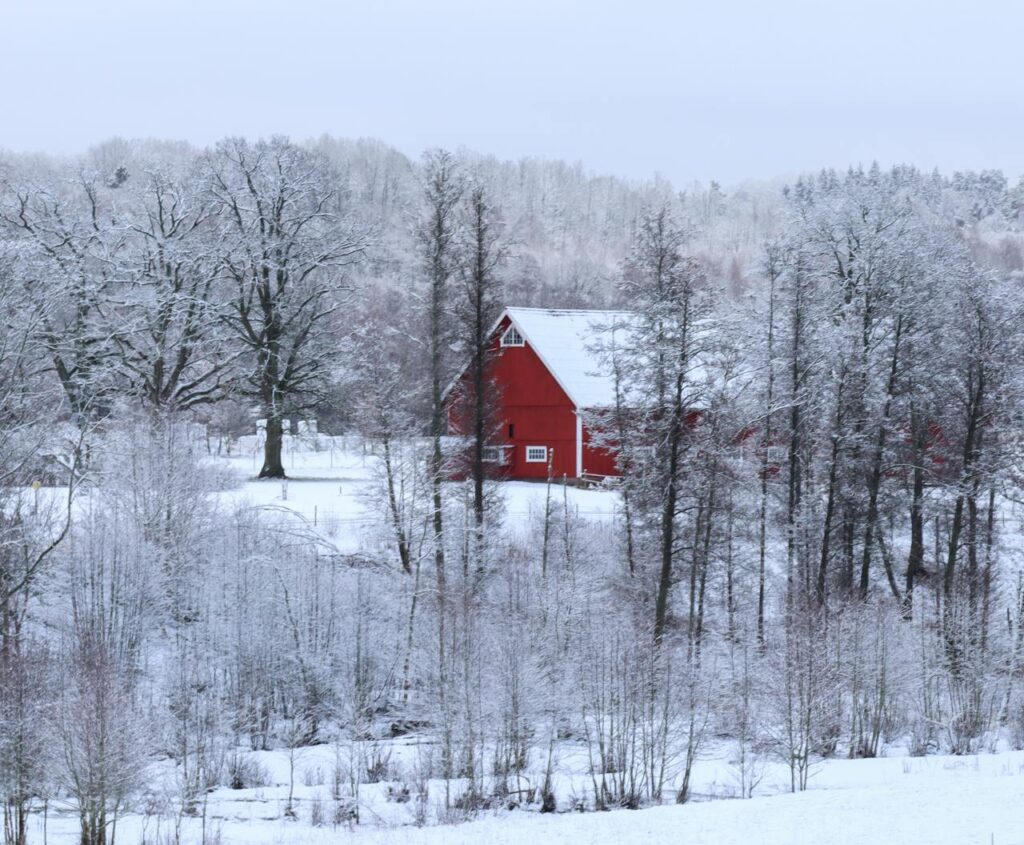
(102, 738)
(172, 345)
(668, 291)
(438, 238)
(482, 253)
(286, 240)
(69, 267)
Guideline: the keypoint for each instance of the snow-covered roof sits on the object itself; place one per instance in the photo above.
(569, 342)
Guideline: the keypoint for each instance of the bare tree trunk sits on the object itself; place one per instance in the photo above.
(668, 515)
(826, 530)
(915, 559)
(794, 480)
(438, 235)
(401, 538)
(410, 636)
(875, 481)
(484, 254)
(766, 442)
(973, 586)
(730, 588)
(762, 543)
(971, 449)
(623, 433)
(273, 466)
(705, 562)
(986, 576)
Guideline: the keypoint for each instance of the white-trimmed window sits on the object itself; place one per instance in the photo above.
(492, 455)
(536, 454)
(512, 337)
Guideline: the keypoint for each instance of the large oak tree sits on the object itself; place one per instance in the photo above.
(286, 242)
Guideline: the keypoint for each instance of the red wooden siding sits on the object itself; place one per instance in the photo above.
(597, 460)
(531, 401)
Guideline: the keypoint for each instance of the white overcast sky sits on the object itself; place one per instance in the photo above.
(695, 89)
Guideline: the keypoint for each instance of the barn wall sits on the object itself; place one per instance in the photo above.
(597, 461)
(532, 402)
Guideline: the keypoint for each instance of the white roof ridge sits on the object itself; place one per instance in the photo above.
(569, 310)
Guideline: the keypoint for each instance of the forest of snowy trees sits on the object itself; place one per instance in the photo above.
(825, 560)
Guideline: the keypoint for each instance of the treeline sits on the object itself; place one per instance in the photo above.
(814, 550)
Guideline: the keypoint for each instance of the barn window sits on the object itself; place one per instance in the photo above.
(536, 454)
(492, 454)
(512, 337)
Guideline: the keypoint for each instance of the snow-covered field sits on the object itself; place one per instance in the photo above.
(907, 801)
(329, 489)
(937, 800)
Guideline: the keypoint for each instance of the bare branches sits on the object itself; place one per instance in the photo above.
(283, 255)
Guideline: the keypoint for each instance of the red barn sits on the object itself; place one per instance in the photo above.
(547, 372)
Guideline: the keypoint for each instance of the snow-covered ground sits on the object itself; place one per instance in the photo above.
(930, 801)
(936, 800)
(330, 489)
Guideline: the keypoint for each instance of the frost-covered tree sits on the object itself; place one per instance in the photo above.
(285, 241)
(67, 262)
(665, 368)
(478, 303)
(437, 235)
(173, 350)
